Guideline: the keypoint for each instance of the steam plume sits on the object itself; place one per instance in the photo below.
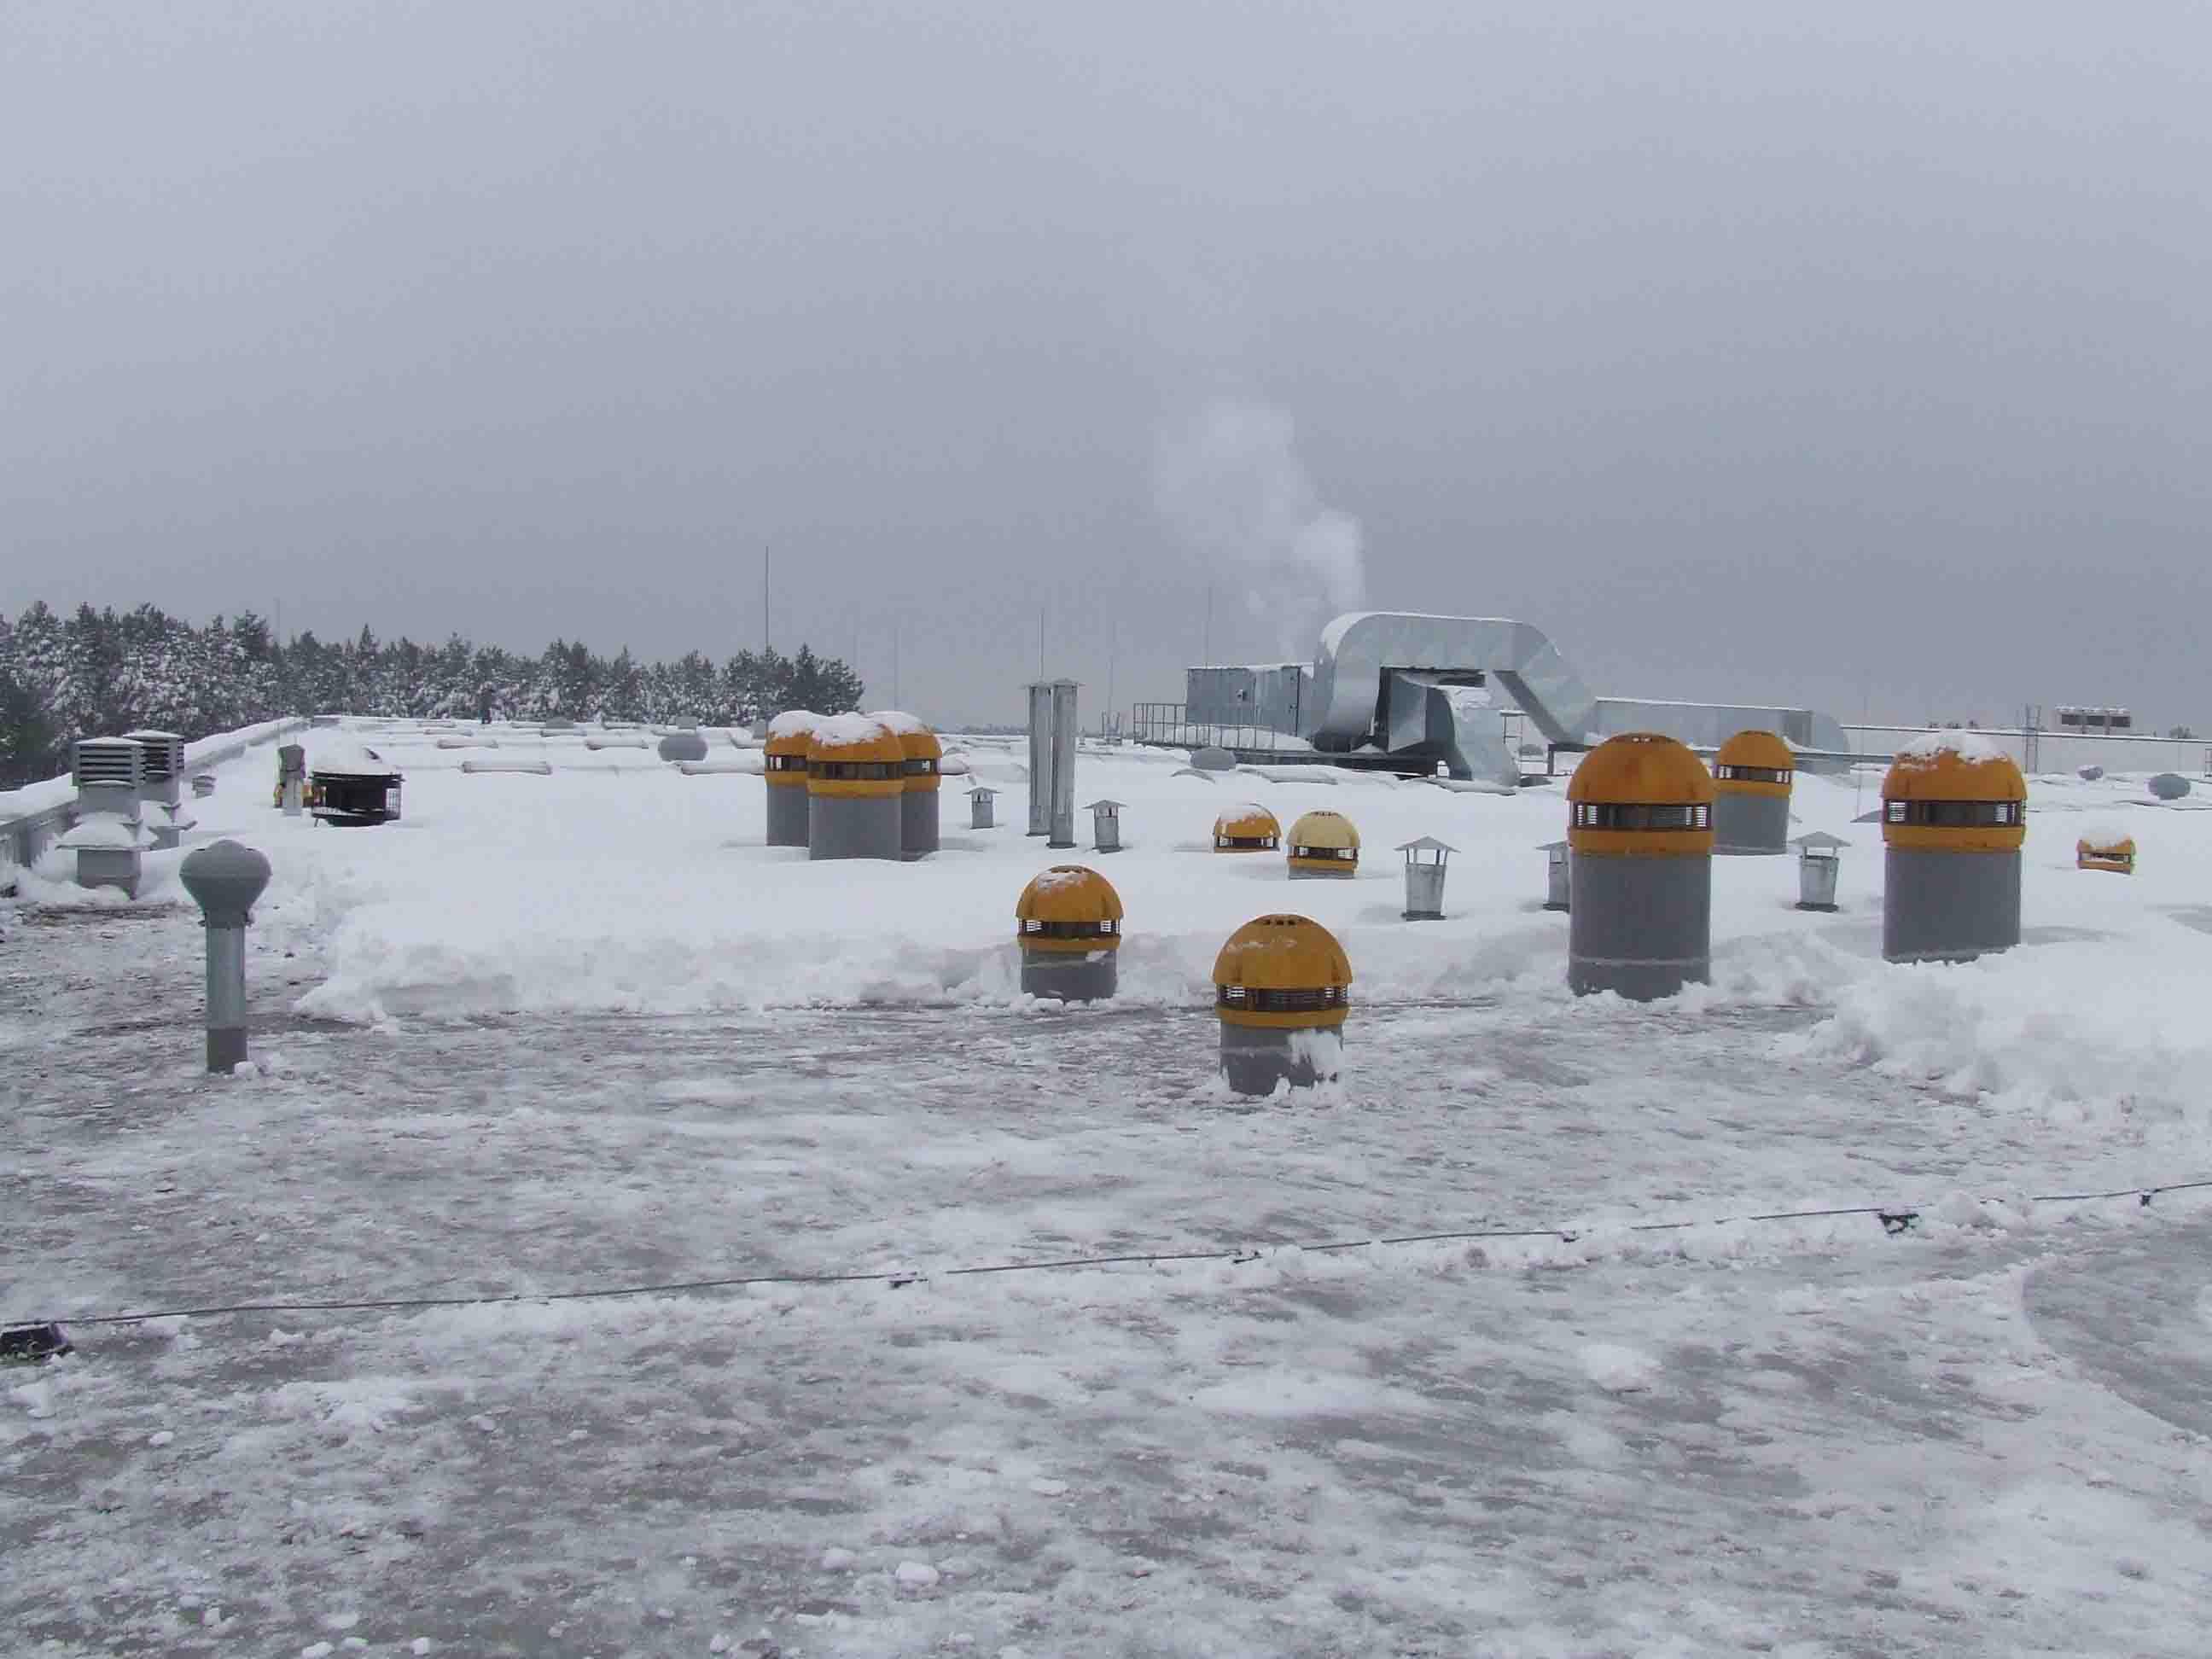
(1229, 482)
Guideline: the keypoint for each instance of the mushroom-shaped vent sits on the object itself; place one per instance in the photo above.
(1754, 762)
(790, 735)
(1954, 792)
(855, 755)
(1641, 794)
(1641, 769)
(918, 744)
(1070, 906)
(1250, 828)
(1323, 833)
(1282, 953)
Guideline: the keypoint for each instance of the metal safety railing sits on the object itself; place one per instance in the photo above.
(1169, 725)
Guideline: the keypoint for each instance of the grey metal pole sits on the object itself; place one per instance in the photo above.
(1064, 741)
(1106, 715)
(224, 879)
(1040, 759)
(226, 997)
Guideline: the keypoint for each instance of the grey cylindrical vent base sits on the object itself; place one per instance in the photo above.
(226, 1046)
(107, 800)
(1640, 926)
(1559, 887)
(1066, 977)
(226, 997)
(1425, 892)
(1949, 907)
(918, 823)
(786, 815)
(1339, 873)
(852, 827)
(1254, 1058)
(109, 867)
(1745, 824)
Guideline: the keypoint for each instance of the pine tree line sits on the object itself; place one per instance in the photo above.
(99, 672)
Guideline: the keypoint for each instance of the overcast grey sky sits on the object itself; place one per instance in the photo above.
(1849, 354)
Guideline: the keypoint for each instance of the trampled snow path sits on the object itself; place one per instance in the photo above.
(1983, 1436)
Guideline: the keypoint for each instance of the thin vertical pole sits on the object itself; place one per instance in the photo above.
(766, 637)
(1113, 642)
(897, 700)
(1040, 610)
(1205, 656)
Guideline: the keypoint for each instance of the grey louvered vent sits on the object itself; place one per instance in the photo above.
(113, 762)
(165, 754)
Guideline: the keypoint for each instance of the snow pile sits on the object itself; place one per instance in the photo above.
(105, 832)
(2084, 1034)
(848, 730)
(898, 720)
(1617, 1369)
(344, 757)
(793, 723)
(1929, 747)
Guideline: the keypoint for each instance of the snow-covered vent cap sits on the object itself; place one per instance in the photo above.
(224, 878)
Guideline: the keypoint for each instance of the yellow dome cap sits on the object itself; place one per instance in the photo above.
(1282, 970)
(1641, 795)
(1250, 828)
(1643, 768)
(1753, 763)
(1322, 828)
(1068, 892)
(1954, 792)
(920, 746)
(790, 735)
(854, 755)
(791, 731)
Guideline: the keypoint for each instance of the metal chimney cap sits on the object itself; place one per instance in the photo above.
(224, 878)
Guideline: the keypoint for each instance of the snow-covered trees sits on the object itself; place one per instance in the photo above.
(98, 671)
